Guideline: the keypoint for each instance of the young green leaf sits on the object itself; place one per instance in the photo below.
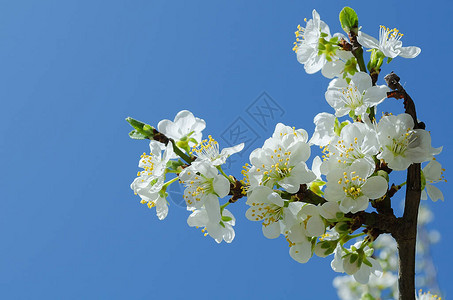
(349, 20)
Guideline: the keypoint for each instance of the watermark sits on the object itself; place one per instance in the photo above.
(265, 111)
(250, 127)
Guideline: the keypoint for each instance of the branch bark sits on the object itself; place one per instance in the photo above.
(406, 234)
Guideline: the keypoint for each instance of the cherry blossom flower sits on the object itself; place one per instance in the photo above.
(356, 262)
(389, 43)
(401, 144)
(281, 161)
(353, 187)
(356, 96)
(219, 227)
(306, 48)
(149, 182)
(184, 127)
(267, 206)
(356, 141)
(209, 150)
(203, 183)
(432, 173)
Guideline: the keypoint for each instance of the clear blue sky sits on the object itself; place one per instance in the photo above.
(71, 71)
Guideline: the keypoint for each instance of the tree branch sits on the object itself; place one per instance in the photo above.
(406, 234)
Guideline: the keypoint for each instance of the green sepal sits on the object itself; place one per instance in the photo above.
(389, 59)
(353, 258)
(226, 218)
(349, 20)
(174, 164)
(221, 224)
(367, 296)
(315, 187)
(423, 180)
(384, 174)
(367, 262)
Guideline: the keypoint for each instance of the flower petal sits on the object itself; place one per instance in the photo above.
(375, 187)
(434, 193)
(367, 41)
(409, 52)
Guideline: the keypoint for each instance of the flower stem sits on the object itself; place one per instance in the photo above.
(224, 174)
(166, 184)
(181, 154)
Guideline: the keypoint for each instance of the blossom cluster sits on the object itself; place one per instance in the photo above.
(311, 207)
(204, 181)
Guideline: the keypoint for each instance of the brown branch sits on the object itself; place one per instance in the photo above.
(406, 233)
(306, 195)
(235, 190)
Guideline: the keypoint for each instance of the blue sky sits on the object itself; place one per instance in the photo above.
(71, 71)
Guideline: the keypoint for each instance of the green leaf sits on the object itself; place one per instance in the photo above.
(226, 218)
(349, 20)
(134, 134)
(140, 127)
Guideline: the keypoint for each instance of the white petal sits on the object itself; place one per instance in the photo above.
(434, 193)
(362, 81)
(367, 41)
(375, 187)
(315, 226)
(221, 185)
(301, 252)
(212, 206)
(409, 52)
(199, 218)
(272, 230)
(433, 171)
(375, 95)
(363, 274)
(231, 150)
(315, 63)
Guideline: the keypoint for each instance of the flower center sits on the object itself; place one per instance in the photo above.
(387, 35)
(352, 184)
(399, 145)
(268, 212)
(207, 149)
(351, 97)
(343, 153)
(197, 187)
(149, 161)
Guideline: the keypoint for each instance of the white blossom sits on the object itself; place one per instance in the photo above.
(389, 43)
(356, 96)
(307, 47)
(432, 173)
(184, 127)
(353, 187)
(209, 150)
(267, 205)
(149, 182)
(402, 145)
(356, 262)
(219, 227)
(281, 161)
(356, 141)
(203, 184)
